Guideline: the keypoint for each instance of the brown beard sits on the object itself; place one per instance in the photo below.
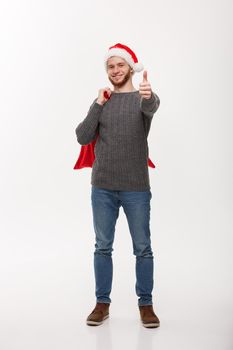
(123, 82)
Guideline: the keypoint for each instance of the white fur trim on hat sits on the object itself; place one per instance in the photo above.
(137, 67)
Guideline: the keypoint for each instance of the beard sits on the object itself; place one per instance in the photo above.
(121, 82)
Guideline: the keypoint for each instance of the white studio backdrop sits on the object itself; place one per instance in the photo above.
(51, 70)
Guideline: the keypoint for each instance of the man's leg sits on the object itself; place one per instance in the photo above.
(136, 206)
(105, 207)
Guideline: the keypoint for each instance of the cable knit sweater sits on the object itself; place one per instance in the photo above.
(121, 150)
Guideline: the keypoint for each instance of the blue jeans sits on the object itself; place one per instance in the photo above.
(136, 206)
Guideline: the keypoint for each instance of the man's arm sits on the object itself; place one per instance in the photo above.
(149, 106)
(86, 131)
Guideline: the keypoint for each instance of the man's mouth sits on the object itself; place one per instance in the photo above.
(118, 76)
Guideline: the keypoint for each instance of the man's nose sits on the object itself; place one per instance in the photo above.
(115, 70)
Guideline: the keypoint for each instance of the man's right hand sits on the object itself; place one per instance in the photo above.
(101, 98)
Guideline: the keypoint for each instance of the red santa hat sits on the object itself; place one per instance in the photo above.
(125, 52)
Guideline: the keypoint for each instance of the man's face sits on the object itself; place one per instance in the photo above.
(118, 71)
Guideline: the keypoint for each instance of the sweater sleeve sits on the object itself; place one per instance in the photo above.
(86, 130)
(150, 106)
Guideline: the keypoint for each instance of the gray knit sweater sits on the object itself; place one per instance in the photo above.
(121, 150)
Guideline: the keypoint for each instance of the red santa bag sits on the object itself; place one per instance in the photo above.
(87, 156)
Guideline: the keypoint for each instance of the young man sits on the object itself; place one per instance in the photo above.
(121, 118)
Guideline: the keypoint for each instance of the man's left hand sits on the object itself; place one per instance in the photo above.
(144, 87)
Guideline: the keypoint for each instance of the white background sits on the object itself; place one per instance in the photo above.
(51, 70)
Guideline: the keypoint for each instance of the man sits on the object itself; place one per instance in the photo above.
(121, 118)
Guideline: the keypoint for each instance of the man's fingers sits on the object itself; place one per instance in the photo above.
(145, 86)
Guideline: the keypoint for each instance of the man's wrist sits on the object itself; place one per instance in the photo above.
(149, 99)
(99, 103)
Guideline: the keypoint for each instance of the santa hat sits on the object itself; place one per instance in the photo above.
(126, 53)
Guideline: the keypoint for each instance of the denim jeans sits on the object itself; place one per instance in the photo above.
(105, 208)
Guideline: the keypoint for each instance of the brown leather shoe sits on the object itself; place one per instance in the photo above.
(148, 317)
(98, 315)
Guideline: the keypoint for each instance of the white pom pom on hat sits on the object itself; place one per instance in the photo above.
(125, 52)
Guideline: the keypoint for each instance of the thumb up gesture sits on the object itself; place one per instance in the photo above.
(144, 87)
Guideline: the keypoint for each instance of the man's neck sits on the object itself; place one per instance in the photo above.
(125, 88)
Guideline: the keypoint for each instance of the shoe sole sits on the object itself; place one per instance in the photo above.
(96, 323)
(151, 325)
